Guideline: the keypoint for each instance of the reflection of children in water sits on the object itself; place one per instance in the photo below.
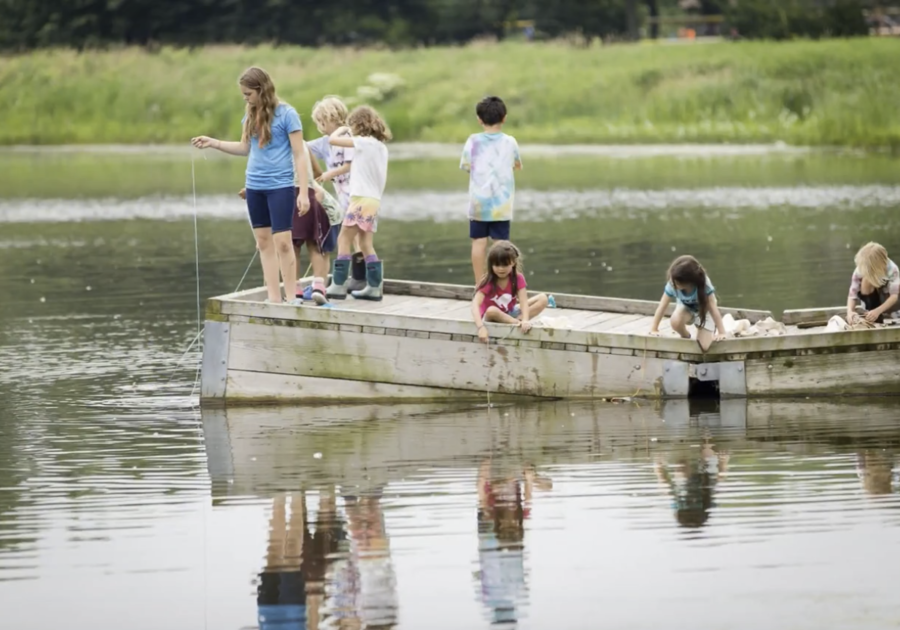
(693, 483)
(368, 569)
(875, 468)
(503, 505)
(291, 586)
(281, 593)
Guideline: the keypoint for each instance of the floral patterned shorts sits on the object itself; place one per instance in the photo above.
(363, 213)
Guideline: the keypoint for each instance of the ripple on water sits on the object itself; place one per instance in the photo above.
(530, 204)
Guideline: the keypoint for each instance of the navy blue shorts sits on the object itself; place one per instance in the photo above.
(272, 208)
(496, 230)
(331, 240)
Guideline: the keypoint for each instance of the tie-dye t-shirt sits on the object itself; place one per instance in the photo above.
(490, 159)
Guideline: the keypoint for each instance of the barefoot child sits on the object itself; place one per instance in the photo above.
(501, 295)
(368, 176)
(875, 283)
(490, 157)
(272, 137)
(694, 293)
(329, 114)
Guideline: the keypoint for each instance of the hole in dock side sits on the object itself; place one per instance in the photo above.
(703, 390)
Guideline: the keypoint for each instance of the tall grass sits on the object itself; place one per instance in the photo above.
(838, 92)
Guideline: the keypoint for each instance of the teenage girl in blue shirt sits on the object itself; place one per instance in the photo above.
(272, 137)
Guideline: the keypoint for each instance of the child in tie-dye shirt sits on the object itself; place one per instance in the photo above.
(490, 157)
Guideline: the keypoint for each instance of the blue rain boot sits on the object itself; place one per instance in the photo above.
(374, 282)
(337, 290)
(357, 273)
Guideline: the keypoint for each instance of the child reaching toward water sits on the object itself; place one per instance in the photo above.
(694, 293)
(875, 283)
(368, 177)
(501, 295)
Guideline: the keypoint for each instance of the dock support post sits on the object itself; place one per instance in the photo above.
(676, 379)
(215, 361)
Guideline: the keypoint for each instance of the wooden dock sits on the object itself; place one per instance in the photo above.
(419, 344)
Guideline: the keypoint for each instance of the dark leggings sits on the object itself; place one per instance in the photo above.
(872, 301)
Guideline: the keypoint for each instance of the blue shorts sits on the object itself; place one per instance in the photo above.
(331, 240)
(272, 208)
(496, 230)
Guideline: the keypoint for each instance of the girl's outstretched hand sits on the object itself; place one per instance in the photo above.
(483, 334)
(203, 142)
(654, 333)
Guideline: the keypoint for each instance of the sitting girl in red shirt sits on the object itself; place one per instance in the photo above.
(501, 295)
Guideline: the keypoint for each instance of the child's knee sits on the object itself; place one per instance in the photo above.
(679, 320)
(479, 245)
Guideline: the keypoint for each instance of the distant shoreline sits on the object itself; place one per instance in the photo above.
(441, 150)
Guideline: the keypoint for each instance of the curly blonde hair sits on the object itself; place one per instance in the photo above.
(365, 121)
(330, 109)
(258, 121)
(872, 262)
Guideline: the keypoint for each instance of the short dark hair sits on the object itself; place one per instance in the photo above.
(491, 110)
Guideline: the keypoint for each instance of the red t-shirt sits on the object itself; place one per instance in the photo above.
(504, 299)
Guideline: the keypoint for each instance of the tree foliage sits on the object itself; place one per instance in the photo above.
(28, 24)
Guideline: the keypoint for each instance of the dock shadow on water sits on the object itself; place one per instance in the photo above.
(551, 515)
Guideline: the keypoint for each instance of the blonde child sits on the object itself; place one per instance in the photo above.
(490, 158)
(502, 294)
(875, 283)
(688, 284)
(329, 114)
(368, 177)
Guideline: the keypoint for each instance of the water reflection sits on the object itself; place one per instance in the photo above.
(505, 490)
(561, 492)
(692, 481)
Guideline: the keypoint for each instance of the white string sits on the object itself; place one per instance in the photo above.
(196, 243)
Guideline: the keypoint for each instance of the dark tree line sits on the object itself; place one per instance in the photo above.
(28, 24)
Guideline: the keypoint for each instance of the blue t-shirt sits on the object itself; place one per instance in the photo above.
(272, 166)
(688, 299)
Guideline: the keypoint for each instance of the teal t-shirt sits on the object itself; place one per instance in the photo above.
(272, 166)
(690, 300)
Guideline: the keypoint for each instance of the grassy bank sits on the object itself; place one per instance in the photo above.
(840, 92)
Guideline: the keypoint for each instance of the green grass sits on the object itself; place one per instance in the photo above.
(837, 92)
(134, 174)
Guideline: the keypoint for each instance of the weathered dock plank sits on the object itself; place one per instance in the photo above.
(402, 360)
(857, 373)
